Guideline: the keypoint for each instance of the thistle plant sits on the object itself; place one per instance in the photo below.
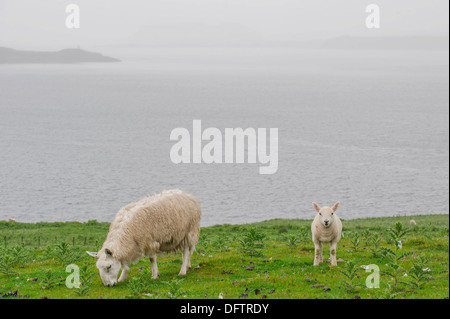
(394, 256)
(252, 243)
(418, 273)
(204, 245)
(388, 294)
(20, 254)
(366, 235)
(304, 234)
(65, 254)
(355, 241)
(7, 263)
(291, 240)
(374, 242)
(220, 243)
(49, 279)
(350, 273)
(86, 276)
(11, 257)
(136, 288)
(175, 286)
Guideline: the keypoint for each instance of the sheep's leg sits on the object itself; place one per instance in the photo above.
(317, 253)
(191, 251)
(186, 257)
(155, 271)
(123, 275)
(333, 246)
(191, 244)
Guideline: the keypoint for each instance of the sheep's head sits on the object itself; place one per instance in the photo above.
(326, 214)
(108, 266)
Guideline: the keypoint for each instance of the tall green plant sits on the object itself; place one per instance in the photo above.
(374, 244)
(11, 257)
(252, 242)
(7, 263)
(388, 294)
(175, 288)
(291, 240)
(395, 256)
(49, 279)
(355, 241)
(220, 243)
(65, 254)
(86, 275)
(349, 272)
(21, 254)
(418, 273)
(136, 287)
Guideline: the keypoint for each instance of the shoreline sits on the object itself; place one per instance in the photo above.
(241, 224)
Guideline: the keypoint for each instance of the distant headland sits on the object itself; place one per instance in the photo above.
(427, 43)
(9, 56)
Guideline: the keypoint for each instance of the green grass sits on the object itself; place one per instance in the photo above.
(280, 267)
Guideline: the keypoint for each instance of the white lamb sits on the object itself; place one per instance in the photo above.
(169, 221)
(326, 228)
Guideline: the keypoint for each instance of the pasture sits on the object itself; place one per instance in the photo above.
(271, 259)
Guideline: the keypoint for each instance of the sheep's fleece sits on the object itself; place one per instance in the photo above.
(169, 221)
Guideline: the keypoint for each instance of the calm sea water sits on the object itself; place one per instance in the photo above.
(370, 129)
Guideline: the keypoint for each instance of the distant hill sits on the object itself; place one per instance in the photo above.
(386, 43)
(63, 56)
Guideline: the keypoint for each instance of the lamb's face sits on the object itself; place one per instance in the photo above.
(326, 214)
(108, 266)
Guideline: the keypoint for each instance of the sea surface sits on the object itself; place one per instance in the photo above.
(367, 128)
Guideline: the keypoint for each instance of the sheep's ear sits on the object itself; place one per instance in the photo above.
(316, 207)
(335, 206)
(108, 252)
(93, 254)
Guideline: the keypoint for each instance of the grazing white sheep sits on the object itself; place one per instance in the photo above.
(326, 228)
(413, 222)
(165, 222)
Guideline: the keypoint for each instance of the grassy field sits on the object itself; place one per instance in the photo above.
(270, 259)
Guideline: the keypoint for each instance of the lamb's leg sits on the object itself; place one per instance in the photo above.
(317, 253)
(333, 246)
(124, 273)
(186, 257)
(155, 271)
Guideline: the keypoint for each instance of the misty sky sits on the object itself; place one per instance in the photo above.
(41, 24)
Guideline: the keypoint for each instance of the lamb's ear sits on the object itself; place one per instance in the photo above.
(316, 207)
(335, 206)
(93, 254)
(108, 252)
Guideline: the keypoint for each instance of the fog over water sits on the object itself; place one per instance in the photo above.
(367, 127)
